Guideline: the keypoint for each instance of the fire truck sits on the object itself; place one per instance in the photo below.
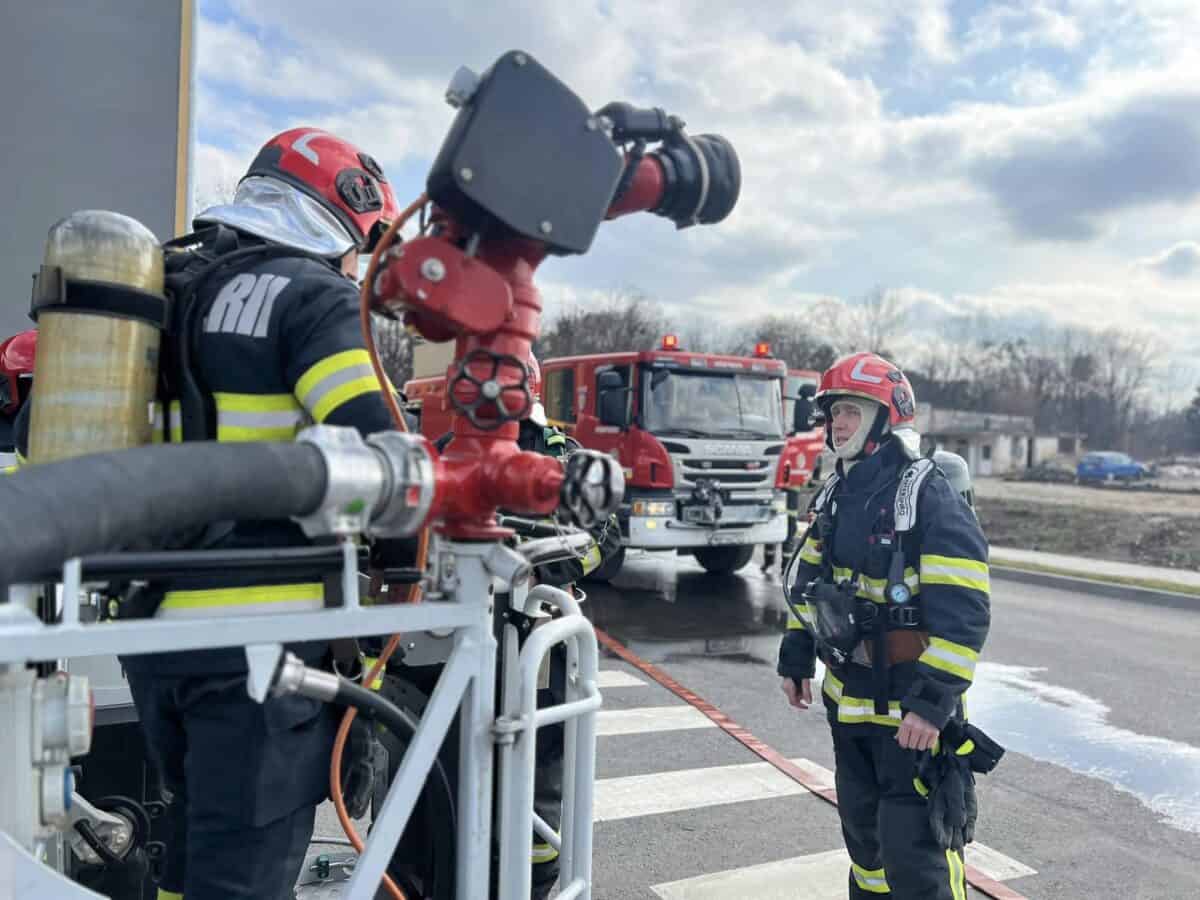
(712, 487)
(700, 437)
(806, 439)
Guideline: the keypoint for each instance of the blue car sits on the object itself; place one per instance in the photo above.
(1110, 466)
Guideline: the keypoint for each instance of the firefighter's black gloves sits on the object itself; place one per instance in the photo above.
(945, 777)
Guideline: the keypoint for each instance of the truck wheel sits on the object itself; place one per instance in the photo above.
(608, 569)
(424, 862)
(724, 560)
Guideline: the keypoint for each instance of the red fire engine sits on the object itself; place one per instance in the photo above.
(806, 443)
(700, 436)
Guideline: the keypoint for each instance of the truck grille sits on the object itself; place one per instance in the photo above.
(731, 474)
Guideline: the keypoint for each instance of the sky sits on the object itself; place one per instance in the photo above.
(1035, 161)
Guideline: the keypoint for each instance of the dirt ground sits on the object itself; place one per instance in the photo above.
(1152, 527)
(1165, 497)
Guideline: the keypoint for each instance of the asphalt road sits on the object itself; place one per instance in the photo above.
(1098, 796)
(1099, 793)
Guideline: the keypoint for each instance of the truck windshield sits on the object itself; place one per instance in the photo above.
(707, 405)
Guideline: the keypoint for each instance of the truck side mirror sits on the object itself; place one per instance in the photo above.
(612, 401)
(802, 414)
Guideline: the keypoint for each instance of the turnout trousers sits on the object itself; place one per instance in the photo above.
(548, 777)
(885, 821)
(242, 781)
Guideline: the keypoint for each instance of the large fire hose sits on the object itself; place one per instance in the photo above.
(111, 501)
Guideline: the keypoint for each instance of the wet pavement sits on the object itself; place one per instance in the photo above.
(1058, 725)
(1091, 749)
(665, 608)
(1098, 796)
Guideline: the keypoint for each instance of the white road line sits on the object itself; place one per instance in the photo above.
(649, 719)
(616, 678)
(664, 792)
(992, 863)
(995, 864)
(821, 876)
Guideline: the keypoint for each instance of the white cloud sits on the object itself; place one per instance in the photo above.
(1034, 86)
(217, 175)
(1177, 262)
(1026, 24)
(376, 46)
(1039, 202)
(933, 28)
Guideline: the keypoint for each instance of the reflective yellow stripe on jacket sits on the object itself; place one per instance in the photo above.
(240, 601)
(955, 571)
(858, 710)
(242, 417)
(335, 380)
(257, 417)
(176, 423)
(947, 656)
(810, 552)
(542, 853)
(794, 622)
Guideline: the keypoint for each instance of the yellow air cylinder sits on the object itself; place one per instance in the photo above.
(101, 311)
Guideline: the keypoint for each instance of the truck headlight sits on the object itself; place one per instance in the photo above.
(653, 508)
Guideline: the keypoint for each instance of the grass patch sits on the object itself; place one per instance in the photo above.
(1153, 584)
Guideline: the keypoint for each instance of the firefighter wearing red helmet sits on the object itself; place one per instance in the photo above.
(16, 376)
(271, 342)
(892, 594)
(537, 434)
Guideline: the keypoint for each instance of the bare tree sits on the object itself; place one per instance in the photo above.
(625, 320)
(833, 322)
(1192, 418)
(880, 317)
(792, 338)
(1124, 363)
(873, 322)
(213, 193)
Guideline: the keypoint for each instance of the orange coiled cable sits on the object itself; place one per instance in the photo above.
(414, 591)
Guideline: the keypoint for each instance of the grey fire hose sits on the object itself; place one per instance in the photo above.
(109, 501)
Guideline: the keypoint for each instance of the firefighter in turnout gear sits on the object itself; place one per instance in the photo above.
(891, 593)
(270, 342)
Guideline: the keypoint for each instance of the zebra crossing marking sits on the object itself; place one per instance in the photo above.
(616, 678)
(650, 719)
(631, 796)
(819, 876)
